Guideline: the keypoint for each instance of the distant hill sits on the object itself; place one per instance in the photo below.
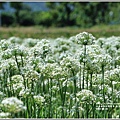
(36, 6)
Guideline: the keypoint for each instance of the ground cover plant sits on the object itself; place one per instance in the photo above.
(76, 77)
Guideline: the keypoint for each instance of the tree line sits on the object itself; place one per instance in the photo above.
(60, 14)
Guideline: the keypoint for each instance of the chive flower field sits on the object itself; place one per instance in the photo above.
(76, 77)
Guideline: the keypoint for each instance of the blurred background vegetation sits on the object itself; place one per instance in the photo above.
(59, 18)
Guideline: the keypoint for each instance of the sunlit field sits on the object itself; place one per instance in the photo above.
(76, 76)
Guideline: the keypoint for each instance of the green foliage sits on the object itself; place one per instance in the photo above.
(83, 14)
(18, 6)
(61, 14)
(7, 19)
(43, 18)
(114, 14)
(26, 18)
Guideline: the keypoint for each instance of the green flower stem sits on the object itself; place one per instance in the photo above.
(51, 94)
(103, 82)
(112, 90)
(93, 109)
(91, 81)
(75, 86)
(63, 96)
(17, 63)
(80, 76)
(9, 89)
(43, 84)
(19, 69)
(87, 79)
(60, 90)
(5, 87)
(87, 110)
(38, 112)
(27, 105)
(34, 106)
(75, 91)
(22, 60)
(84, 63)
(48, 85)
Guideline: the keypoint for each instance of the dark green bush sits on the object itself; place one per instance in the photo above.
(26, 18)
(7, 19)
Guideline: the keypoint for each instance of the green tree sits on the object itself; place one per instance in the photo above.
(98, 12)
(7, 19)
(84, 14)
(18, 6)
(91, 13)
(26, 18)
(114, 16)
(88, 14)
(62, 11)
(1, 7)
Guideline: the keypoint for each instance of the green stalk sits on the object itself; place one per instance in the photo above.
(65, 89)
(87, 110)
(103, 82)
(5, 88)
(50, 106)
(75, 91)
(48, 85)
(62, 95)
(19, 68)
(17, 62)
(84, 66)
(39, 86)
(112, 90)
(87, 79)
(34, 105)
(27, 105)
(80, 77)
(93, 109)
(49, 113)
(32, 85)
(42, 79)
(11, 91)
(91, 81)
(22, 60)
(38, 113)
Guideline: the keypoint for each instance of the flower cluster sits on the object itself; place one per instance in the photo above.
(12, 105)
(4, 115)
(62, 77)
(86, 96)
(39, 99)
(85, 38)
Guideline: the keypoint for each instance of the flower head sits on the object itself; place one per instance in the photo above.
(12, 105)
(4, 115)
(85, 38)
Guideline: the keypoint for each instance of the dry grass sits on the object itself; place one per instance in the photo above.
(41, 32)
